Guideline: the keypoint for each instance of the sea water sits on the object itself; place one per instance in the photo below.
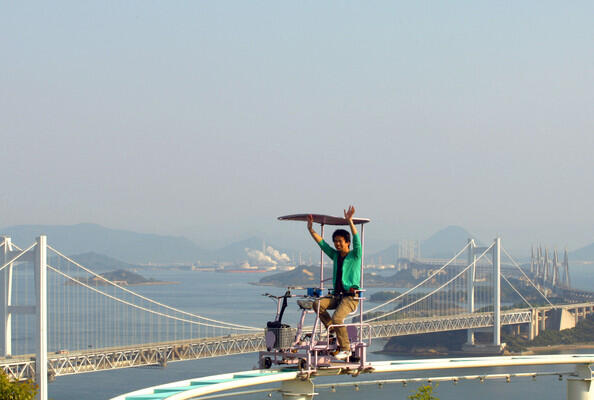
(231, 298)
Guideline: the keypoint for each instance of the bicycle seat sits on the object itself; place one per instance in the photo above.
(305, 304)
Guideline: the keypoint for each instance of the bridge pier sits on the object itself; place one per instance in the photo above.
(533, 326)
(298, 389)
(543, 321)
(580, 387)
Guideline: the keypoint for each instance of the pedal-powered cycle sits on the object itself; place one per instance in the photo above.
(312, 347)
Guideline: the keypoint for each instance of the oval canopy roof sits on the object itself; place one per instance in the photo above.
(323, 219)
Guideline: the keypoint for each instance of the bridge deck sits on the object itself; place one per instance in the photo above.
(159, 354)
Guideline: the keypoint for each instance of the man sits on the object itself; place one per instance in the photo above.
(346, 278)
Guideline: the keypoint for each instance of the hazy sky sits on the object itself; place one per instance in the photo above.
(211, 118)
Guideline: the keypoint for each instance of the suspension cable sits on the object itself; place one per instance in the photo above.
(419, 284)
(525, 276)
(431, 293)
(76, 281)
(516, 290)
(18, 256)
(229, 324)
(512, 286)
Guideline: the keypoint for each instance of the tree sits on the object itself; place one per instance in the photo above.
(424, 393)
(16, 390)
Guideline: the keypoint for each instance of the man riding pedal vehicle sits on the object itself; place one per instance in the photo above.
(346, 279)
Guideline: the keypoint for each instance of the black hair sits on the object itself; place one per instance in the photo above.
(343, 234)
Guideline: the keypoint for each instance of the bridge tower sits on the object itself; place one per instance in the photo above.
(538, 263)
(38, 256)
(470, 277)
(532, 260)
(556, 279)
(545, 278)
(6, 299)
(40, 273)
(566, 270)
(497, 292)
(473, 249)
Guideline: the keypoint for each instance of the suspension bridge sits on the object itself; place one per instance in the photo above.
(58, 317)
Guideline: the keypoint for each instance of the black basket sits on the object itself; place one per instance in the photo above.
(283, 336)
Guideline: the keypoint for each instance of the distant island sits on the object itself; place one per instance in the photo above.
(582, 335)
(307, 275)
(121, 277)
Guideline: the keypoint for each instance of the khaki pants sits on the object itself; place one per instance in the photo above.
(344, 306)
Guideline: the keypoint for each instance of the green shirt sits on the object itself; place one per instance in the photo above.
(351, 267)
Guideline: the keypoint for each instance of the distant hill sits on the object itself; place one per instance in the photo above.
(128, 246)
(142, 248)
(96, 262)
(584, 254)
(235, 252)
(386, 256)
(445, 243)
(121, 277)
(442, 244)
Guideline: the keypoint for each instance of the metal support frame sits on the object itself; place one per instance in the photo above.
(41, 359)
(363, 349)
(322, 261)
(318, 325)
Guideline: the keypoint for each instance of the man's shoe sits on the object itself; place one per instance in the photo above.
(342, 355)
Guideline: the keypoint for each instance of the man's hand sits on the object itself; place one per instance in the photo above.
(348, 214)
(309, 222)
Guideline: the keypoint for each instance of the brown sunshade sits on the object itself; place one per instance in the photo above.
(323, 219)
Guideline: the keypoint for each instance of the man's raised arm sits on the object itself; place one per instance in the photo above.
(348, 214)
(310, 228)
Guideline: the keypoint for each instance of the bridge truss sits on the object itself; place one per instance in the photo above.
(415, 326)
(155, 354)
(159, 354)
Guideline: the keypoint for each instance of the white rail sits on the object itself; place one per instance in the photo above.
(295, 386)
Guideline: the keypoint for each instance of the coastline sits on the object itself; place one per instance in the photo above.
(153, 283)
(147, 283)
(556, 348)
(532, 350)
